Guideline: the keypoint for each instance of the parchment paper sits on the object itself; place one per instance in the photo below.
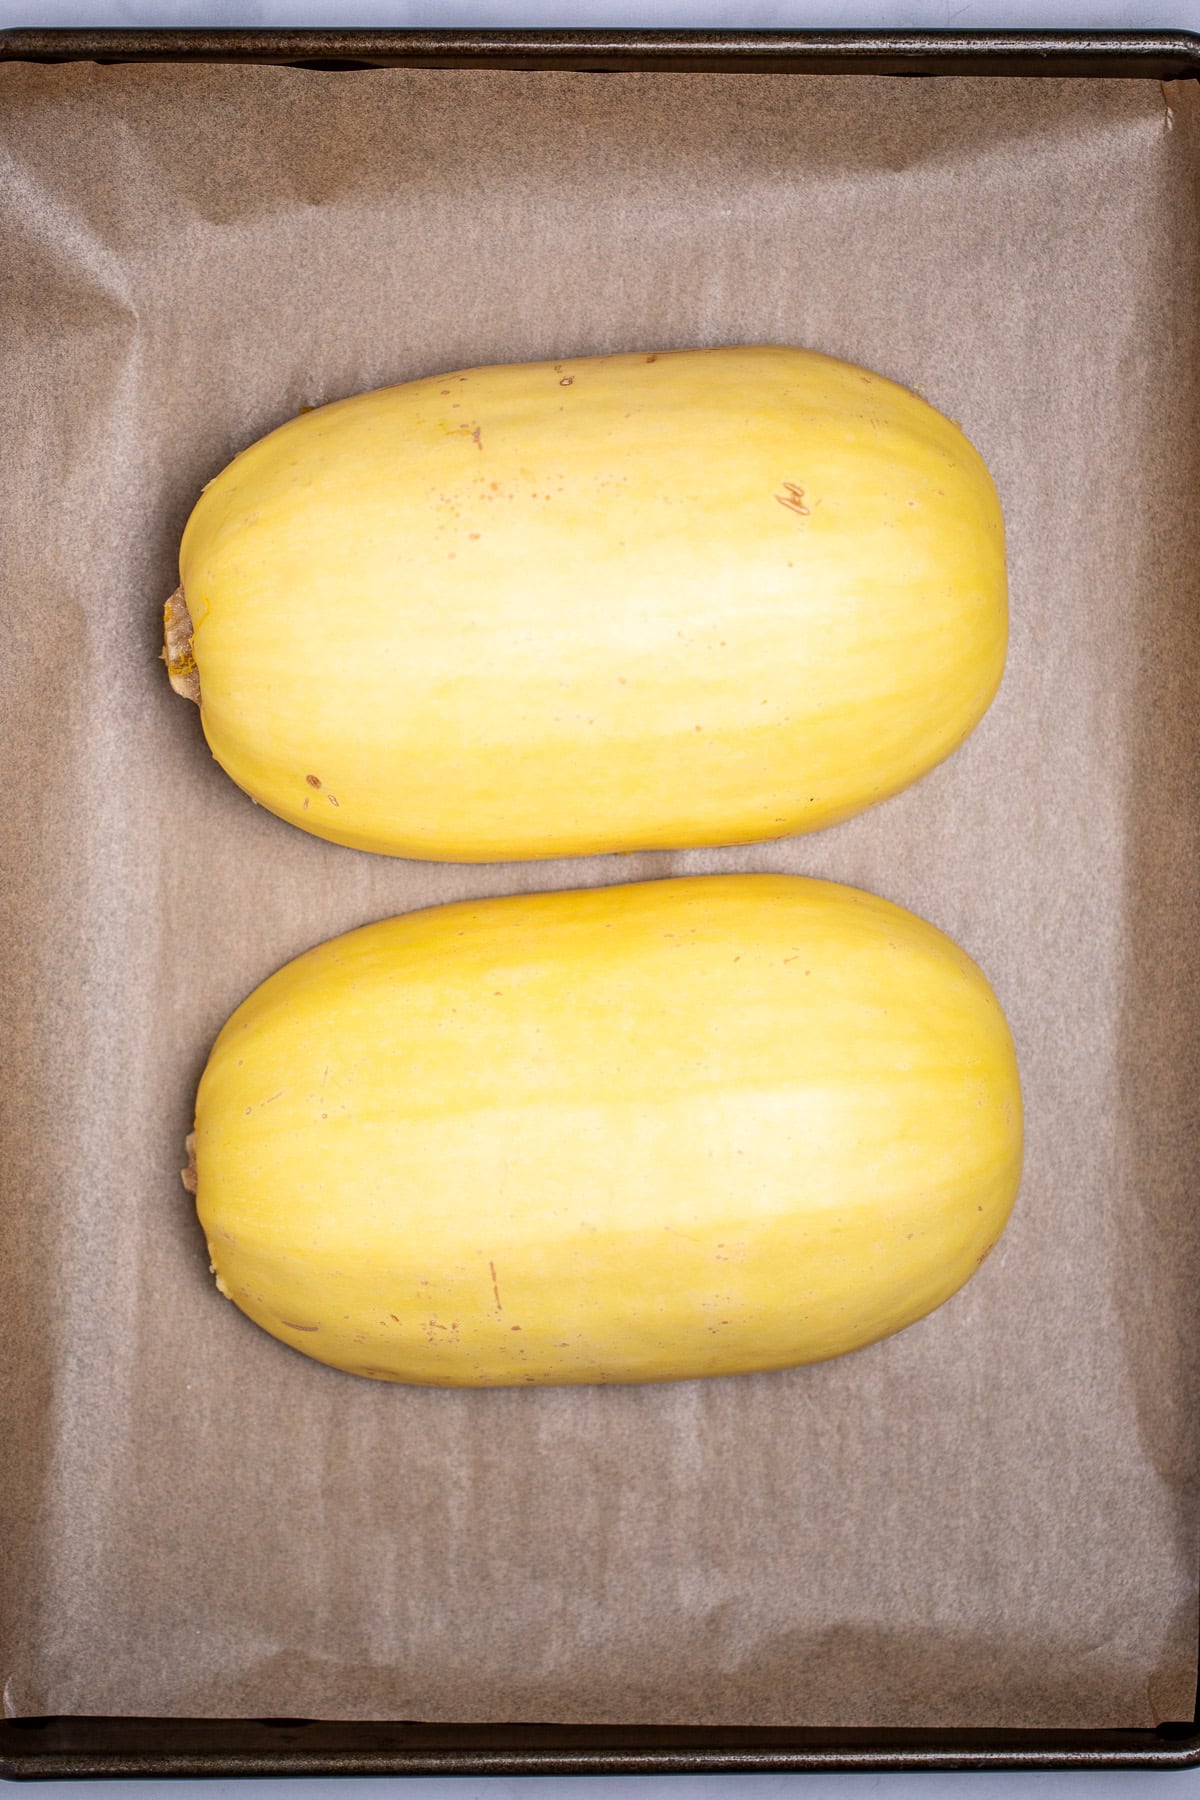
(988, 1520)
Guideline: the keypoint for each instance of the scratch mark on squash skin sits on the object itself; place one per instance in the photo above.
(793, 499)
(496, 1288)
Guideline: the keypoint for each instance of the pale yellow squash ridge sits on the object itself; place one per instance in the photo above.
(612, 603)
(679, 1128)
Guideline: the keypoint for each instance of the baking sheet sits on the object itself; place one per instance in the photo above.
(987, 1520)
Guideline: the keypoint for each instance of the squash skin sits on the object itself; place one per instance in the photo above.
(630, 602)
(680, 1128)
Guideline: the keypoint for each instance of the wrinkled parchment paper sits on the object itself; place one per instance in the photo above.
(988, 1520)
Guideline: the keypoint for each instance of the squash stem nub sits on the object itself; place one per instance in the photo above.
(177, 648)
(188, 1175)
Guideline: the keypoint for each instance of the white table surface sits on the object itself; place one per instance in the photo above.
(714, 14)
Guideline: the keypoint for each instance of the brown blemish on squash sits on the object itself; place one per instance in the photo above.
(793, 498)
(177, 648)
(290, 1325)
(188, 1175)
(437, 1325)
(314, 781)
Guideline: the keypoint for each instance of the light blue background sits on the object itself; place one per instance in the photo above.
(959, 14)
(1100, 1784)
(714, 14)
